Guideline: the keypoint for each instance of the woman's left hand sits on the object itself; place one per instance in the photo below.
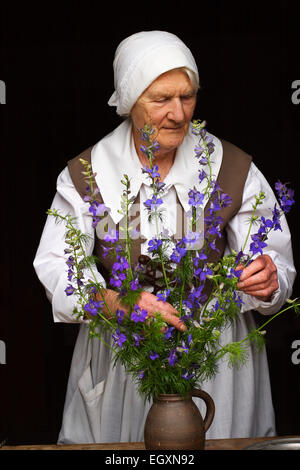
(260, 278)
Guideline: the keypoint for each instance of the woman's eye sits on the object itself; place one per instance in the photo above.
(162, 100)
(187, 97)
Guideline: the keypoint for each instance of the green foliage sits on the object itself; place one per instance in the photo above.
(160, 358)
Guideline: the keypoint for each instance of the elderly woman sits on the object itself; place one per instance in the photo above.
(156, 82)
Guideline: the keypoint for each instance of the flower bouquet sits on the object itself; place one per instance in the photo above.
(161, 358)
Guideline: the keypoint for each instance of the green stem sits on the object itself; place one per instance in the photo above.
(128, 237)
(258, 201)
(274, 316)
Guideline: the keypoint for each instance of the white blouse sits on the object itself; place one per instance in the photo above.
(102, 404)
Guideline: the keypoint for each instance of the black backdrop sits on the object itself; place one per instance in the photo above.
(56, 63)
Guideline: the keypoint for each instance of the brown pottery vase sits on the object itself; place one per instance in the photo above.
(175, 423)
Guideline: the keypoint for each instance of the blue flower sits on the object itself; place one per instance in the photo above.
(258, 244)
(183, 348)
(153, 355)
(97, 209)
(153, 203)
(195, 198)
(202, 273)
(285, 195)
(163, 295)
(69, 290)
(137, 338)
(202, 175)
(152, 172)
(179, 251)
(93, 306)
(154, 244)
(118, 274)
(138, 314)
(112, 236)
(196, 297)
(120, 315)
(117, 279)
(172, 358)
(134, 284)
(275, 219)
(119, 338)
(237, 299)
(187, 376)
(70, 261)
(168, 332)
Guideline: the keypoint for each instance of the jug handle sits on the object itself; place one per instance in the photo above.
(210, 407)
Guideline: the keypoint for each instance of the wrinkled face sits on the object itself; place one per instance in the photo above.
(168, 105)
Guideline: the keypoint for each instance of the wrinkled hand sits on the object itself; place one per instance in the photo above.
(260, 278)
(146, 301)
(168, 313)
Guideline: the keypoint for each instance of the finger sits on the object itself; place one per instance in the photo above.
(173, 320)
(262, 278)
(168, 313)
(257, 265)
(262, 291)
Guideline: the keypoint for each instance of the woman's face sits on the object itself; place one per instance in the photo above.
(168, 105)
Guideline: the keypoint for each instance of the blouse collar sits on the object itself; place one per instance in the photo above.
(115, 155)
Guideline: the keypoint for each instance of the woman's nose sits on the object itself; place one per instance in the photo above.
(176, 112)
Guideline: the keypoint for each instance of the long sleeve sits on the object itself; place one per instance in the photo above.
(50, 260)
(279, 242)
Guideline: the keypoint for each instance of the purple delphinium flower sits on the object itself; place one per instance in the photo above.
(112, 236)
(137, 338)
(203, 272)
(117, 279)
(183, 348)
(69, 290)
(134, 284)
(179, 251)
(187, 376)
(119, 338)
(163, 295)
(153, 203)
(234, 273)
(152, 172)
(168, 332)
(172, 358)
(202, 175)
(138, 314)
(119, 272)
(153, 355)
(285, 196)
(154, 244)
(159, 185)
(237, 299)
(196, 298)
(70, 261)
(106, 250)
(93, 306)
(120, 315)
(195, 198)
(98, 210)
(275, 219)
(258, 244)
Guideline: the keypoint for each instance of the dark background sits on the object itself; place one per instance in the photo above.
(57, 66)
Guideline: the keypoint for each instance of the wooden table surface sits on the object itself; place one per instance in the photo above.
(211, 444)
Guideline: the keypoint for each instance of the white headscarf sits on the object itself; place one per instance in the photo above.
(140, 59)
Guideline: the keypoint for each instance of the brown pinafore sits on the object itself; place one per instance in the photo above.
(232, 177)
